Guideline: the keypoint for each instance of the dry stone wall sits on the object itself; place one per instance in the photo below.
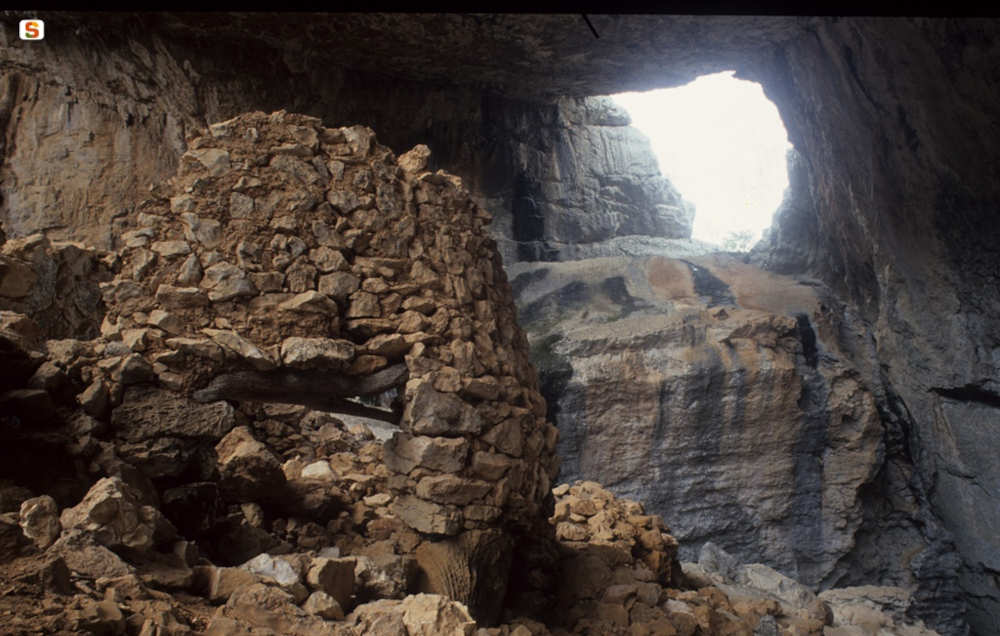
(288, 262)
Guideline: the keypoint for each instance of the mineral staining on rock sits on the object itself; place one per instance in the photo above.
(650, 377)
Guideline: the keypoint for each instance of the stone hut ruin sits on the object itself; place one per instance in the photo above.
(287, 262)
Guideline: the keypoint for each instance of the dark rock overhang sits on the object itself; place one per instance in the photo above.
(539, 56)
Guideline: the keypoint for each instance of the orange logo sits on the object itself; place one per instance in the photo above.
(33, 29)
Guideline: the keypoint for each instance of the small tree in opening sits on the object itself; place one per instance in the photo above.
(738, 241)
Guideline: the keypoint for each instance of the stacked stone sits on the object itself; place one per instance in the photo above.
(284, 245)
(587, 514)
(616, 567)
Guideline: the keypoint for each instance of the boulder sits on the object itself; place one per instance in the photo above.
(339, 285)
(313, 353)
(432, 412)
(404, 452)
(40, 520)
(206, 231)
(86, 557)
(215, 160)
(282, 571)
(148, 412)
(787, 590)
(47, 574)
(451, 489)
(318, 470)
(264, 607)
(241, 348)
(250, 472)
(425, 516)
(94, 399)
(384, 576)
(416, 615)
(169, 249)
(310, 302)
(164, 434)
(885, 609)
(328, 260)
(333, 576)
(323, 605)
(170, 297)
(219, 583)
(12, 539)
(113, 513)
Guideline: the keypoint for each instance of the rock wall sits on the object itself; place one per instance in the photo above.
(715, 392)
(55, 284)
(581, 176)
(84, 144)
(890, 208)
(893, 120)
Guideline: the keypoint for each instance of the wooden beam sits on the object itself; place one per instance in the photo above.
(317, 390)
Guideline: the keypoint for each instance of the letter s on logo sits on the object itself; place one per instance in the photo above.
(32, 29)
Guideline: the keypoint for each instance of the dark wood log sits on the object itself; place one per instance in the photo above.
(317, 390)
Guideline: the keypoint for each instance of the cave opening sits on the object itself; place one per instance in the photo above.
(722, 143)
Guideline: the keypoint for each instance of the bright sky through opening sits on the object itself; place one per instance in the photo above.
(721, 143)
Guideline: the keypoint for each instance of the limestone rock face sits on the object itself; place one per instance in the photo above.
(601, 182)
(912, 264)
(56, 283)
(652, 366)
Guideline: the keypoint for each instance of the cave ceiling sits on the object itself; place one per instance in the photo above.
(518, 55)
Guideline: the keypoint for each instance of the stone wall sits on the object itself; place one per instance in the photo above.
(288, 262)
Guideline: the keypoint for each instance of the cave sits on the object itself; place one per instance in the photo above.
(854, 350)
(722, 144)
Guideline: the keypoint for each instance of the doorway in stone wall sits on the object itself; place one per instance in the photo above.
(723, 145)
